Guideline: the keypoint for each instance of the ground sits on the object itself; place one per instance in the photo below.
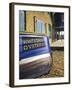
(57, 69)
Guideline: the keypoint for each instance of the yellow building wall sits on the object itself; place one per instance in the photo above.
(44, 16)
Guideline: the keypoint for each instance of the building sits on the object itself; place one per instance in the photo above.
(35, 22)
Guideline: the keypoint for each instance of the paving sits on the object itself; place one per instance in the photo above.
(57, 69)
(57, 43)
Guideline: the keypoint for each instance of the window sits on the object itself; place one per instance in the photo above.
(40, 26)
(46, 28)
(22, 20)
(34, 18)
(49, 32)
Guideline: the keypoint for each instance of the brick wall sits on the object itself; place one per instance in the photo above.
(44, 16)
